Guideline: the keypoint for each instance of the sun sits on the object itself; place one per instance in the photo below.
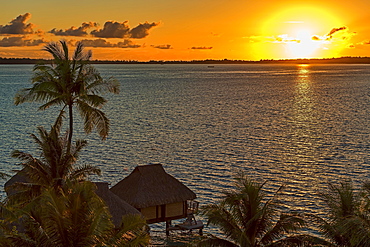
(297, 32)
(303, 45)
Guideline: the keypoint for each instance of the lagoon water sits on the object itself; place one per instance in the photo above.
(298, 125)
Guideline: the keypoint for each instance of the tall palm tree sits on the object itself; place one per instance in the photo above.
(71, 82)
(248, 218)
(55, 165)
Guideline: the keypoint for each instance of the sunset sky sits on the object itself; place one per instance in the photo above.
(188, 30)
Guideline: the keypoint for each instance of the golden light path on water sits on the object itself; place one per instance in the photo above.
(301, 146)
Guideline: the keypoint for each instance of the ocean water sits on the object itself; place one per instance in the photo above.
(297, 125)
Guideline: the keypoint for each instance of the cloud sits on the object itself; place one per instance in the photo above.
(73, 31)
(337, 34)
(201, 48)
(365, 42)
(142, 30)
(18, 25)
(103, 43)
(19, 41)
(164, 47)
(334, 30)
(113, 29)
(127, 44)
(283, 38)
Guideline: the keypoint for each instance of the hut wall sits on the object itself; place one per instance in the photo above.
(164, 212)
(151, 213)
(174, 209)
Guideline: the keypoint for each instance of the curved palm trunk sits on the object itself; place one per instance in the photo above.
(70, 134)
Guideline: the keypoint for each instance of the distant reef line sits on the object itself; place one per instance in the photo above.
(340, 60)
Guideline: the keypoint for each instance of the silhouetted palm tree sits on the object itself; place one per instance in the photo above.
(55, 165)
(248, 218)
(76, 217)
(348, 220)
(132, 232)
(71, 82)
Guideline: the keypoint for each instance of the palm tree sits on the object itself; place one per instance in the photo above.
(75, 217)
(248, 218)
(133, 232)
(71, 82)
(348, 219)
(54, 167)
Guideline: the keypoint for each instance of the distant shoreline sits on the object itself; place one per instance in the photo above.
(341, 60)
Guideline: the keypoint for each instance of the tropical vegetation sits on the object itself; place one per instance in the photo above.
(54, 167)
(53, 204)
(347, 222)
(75, 216)
(71, 82)
(248, 218)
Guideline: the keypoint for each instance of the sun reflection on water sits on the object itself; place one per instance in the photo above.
(301, 151)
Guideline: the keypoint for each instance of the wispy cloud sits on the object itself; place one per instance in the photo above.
(334, 30)
(163, 47)
(103, 43)
(335, 34)
(201, 48)
(283, 38)
(20, 41)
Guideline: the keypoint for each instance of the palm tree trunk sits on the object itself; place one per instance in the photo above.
(70, 134)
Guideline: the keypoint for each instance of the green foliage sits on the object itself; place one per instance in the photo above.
(70, 82)
(54, 167)
(74, 217)
(248, 218)
(348, 219)
(53, 205)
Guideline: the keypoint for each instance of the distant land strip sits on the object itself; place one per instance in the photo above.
(340, 60)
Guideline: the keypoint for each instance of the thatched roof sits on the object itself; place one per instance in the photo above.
(117, 207)
(19, 177)
(150, 185)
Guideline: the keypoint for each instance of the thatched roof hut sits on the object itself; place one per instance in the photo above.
(117, 207)
(19, 177)
(156, 194)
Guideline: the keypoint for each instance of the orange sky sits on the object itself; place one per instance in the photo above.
(187, 30)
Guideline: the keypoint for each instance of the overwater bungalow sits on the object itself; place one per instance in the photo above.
(157, 195)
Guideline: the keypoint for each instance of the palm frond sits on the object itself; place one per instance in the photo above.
(83, 171)
(216, 242)
(55, 50)
(94, 118)
(132, 232)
